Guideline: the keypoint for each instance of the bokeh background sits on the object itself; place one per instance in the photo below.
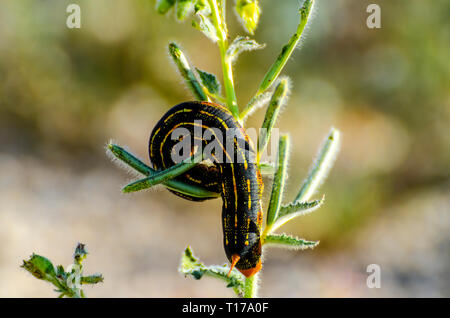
(65, 93)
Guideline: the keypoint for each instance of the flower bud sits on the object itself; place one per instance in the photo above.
(249, 12)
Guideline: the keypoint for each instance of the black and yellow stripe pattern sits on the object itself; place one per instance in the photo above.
(236, 176)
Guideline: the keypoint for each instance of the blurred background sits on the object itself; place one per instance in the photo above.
(64, 93)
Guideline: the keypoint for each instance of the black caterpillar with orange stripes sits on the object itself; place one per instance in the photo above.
(233, 173)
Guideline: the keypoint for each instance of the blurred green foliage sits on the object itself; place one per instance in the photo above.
(64, 92)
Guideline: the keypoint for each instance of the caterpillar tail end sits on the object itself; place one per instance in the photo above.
(251, 271)
(246, 272)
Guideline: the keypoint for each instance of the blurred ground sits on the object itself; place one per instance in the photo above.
(65, 93)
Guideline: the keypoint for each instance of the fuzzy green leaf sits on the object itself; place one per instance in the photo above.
(279, 181)
(92, 279)
(291, 242)
(186, 71)
(40, 267)
(303, 207)
(191, 265)
(205, 25)
(278, 99)
(184, 8)
(202, 6)
(162, 6)
(210, 82)
(255, 103)
(276, 68)
(60, 272)
(165, 175)
(135, 163)
(241, 44)
(321, 166)
(189, 262)
(293, 210)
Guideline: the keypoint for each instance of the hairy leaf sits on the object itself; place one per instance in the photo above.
(191, 265)
(293, 210)
(321, 166)
(184, 8)
(210, 81)
(162, 6)
(205, 25)
(288, 241)
(241, 44)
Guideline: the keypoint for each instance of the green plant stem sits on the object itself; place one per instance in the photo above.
(227, 67)
(251, 286)
(228, 80)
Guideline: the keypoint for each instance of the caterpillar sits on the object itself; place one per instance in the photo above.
(235, 176)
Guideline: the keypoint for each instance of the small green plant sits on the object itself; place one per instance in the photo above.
(68, 283)
(273, 90)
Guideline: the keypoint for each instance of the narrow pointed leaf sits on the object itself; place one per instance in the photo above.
(165, 175)
(295, 209)
(279, 181)
(278, 99)
(132, 161)
(186, 72)
(255, 103)
(321, 166)
(286, 52)
(92, 279)
(287, 241)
